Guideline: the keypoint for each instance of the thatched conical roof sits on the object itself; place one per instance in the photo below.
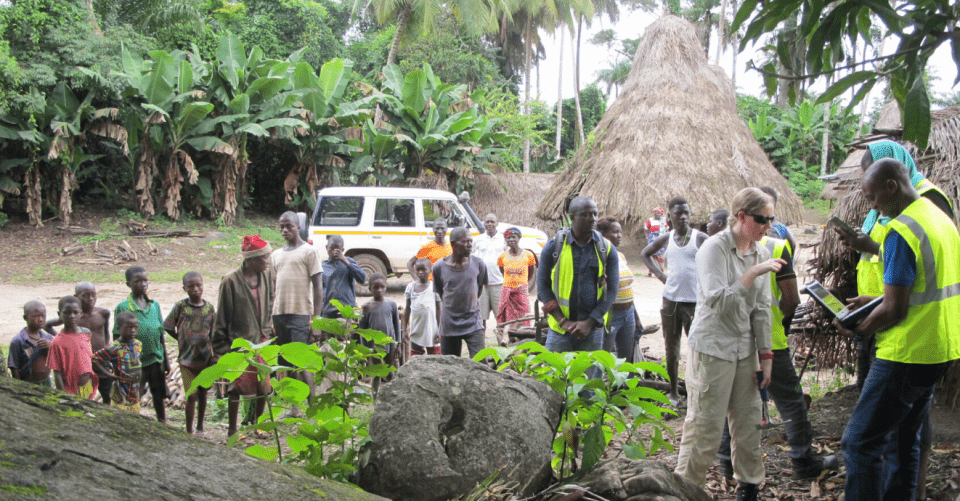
(673, 131)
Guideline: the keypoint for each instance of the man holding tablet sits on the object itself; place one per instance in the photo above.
(917, 329)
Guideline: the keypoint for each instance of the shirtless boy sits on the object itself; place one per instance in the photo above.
(96, 320)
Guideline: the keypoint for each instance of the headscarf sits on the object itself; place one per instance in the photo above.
(890, 149)
(658, 209)
(511, 230)
(254, 246)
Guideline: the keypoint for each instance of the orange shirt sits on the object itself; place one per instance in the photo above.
(434, 253)
(515, 268)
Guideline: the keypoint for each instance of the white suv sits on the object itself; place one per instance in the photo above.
(382, 228)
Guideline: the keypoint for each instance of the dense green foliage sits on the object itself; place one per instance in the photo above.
(596, 407)
(824, 31)
(793, 138)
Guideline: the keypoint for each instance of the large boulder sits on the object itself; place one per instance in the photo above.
(56, 446)
(621, 479)
(447, 423)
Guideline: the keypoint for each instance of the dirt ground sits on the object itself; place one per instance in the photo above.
(34, 269)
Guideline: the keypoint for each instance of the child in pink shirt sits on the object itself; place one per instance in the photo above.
(70, 353)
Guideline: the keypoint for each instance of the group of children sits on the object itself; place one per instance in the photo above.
(84, 360)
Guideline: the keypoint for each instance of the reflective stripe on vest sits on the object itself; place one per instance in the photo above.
(778, 333)
(930, 333)
(926, 185)
(870, 266)
(562, 283)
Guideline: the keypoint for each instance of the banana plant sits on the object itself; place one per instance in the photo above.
(173, 112)
(23, 142)
(438, 126)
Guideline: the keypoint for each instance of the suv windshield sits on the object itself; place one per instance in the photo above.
(433, 209)
(339, 211)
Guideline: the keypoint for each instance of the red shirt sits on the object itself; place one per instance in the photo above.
(70, 354)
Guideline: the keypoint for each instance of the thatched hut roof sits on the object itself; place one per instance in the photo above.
(673, 131)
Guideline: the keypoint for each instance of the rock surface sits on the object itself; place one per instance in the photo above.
(56, 446)
(447, 423)
(645, 480)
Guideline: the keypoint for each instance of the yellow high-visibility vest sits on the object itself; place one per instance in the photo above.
(930, 333)
(778, 333)
(562, 283)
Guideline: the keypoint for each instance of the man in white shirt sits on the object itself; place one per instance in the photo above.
(489, 246)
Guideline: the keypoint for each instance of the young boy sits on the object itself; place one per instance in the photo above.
(70, 353)
(96, 320)
(190, 322)
(340, 276)
(381, 314)
(30, 348)
(150, 333)
(421, 323)
(123, 355)
(718, 221)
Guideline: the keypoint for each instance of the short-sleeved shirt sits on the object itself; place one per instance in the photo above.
(459, 291)
(434, 252)
(899, 261)
(516, 268)
(125, 358)
(27, 358)
(70, 355)
(150, 330)
(625, 290)
(383, 317)
(654, 225)
(295, 268)
(489, 249)
(194, 328)
(423, 314)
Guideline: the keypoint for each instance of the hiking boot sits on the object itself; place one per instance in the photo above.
(812, 467)
(726, 469)
(747, 492)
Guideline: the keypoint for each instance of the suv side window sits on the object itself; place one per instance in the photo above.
(394, 212)
(339, 211)
(433, 209)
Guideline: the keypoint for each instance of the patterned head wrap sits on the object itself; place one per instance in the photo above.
(890, 149)
(254, 246)
(658, 209)
(513, 230)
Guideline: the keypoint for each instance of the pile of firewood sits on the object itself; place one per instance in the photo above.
(107, 254)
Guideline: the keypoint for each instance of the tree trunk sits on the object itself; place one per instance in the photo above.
(34, 195)
(782, 98)
(560, 97)
(94, 25)
(402, 22)
(866, 99)
(576, 84)
(735, 41)
(526, 95)
(723, 19)
(825, 146)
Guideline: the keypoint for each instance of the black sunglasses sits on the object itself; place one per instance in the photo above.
(757, 218)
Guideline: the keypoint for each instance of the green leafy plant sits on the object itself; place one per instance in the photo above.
(327, 440)
(602, 397)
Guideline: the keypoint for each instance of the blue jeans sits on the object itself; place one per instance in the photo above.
(560, 343)
(881, 444)
(620, 340)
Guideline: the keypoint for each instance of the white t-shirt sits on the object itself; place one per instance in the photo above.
(294, 269)
(423, 314)
(489, 249)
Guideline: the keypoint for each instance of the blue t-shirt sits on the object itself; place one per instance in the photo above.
(899, 261)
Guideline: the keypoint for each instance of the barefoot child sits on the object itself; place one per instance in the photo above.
(421, 323)
(123, 357)
(70, 353)
(381, 314)
(29, 349)
(96, 320)
(190, 322)
(150, 332)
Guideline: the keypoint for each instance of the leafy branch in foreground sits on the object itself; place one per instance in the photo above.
(327, 440)
(602, 397)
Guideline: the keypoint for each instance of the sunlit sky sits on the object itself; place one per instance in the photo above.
(594, 58)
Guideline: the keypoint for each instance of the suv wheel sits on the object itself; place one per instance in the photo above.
(370, 264)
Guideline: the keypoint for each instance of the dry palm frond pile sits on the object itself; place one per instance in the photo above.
(673, 131)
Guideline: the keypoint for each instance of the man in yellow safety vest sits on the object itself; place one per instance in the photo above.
(917, 329)
(576, 269)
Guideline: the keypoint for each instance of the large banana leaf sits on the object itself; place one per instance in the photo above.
(192, 113)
